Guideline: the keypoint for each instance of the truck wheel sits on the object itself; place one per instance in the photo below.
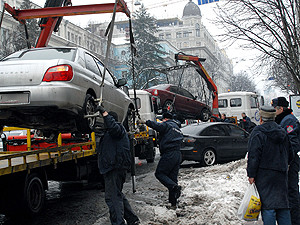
(87, 125)
(150, 152)
(34, 194)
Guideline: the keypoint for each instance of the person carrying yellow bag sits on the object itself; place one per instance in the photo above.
(269, 155)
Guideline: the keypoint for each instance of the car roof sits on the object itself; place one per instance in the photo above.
(202, 126)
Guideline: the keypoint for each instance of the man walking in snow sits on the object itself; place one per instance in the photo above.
(269, 155)
(289, 122)
(170, 137)
(113, 161)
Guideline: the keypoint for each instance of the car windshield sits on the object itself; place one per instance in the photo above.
(42, 54)
(192, 130)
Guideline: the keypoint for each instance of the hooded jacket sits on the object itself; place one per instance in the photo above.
(268, 148)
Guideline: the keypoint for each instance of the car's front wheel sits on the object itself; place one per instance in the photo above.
(87, 125)
(209, 157)
(205, 115)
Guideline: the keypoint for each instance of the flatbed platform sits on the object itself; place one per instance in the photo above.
(12, 162)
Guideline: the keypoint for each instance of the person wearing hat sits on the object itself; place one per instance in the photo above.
(269, 155)
(170, 138)
(289, 122)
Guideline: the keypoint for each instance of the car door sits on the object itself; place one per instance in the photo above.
(239, 139)
(112, 95)
(219, 140)
(194, 107)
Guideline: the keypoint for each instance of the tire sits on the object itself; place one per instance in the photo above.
(129, 120)
(205, 115)
(151, 152)
(209, 157)
(168, 106)
(34, 194)
(87, 125)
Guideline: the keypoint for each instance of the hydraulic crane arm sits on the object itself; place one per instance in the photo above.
(54, 13)
(210, 83)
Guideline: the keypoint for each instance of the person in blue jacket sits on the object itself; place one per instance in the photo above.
(113, 161)
(269, 156)
(289, 122)
(246, 122)
(170, 138)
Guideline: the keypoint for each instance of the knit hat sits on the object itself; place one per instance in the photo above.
(280, 101)
(267, 112)
(167, 115)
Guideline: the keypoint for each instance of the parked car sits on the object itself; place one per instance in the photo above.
(180, 101)
(53, 88)
(213, 142)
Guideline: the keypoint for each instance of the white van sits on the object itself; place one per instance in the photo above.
(235, 103)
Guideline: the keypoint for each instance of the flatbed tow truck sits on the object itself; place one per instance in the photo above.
(24, 174)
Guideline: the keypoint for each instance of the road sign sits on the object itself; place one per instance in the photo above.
(202, 2)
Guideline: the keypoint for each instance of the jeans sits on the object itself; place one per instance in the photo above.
(119, 207)
(270, 216)
(293, 184)
(167, 172)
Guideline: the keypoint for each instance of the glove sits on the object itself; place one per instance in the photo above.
(138, 122)
(100, 108)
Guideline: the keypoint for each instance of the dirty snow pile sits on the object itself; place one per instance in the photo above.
(210, 195)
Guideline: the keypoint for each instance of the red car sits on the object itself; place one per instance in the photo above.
(180, 101)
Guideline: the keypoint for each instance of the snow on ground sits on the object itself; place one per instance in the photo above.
(210, 195)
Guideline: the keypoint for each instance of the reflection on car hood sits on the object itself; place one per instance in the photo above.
(24, 73)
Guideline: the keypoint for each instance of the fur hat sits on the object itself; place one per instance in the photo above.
(267, 112)
(280, 101)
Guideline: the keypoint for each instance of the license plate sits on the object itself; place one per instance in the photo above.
(14, 98)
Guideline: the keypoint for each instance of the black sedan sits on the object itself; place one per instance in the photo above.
(213, 142)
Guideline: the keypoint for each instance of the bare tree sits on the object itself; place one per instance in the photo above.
(269, 26)
(241, 82)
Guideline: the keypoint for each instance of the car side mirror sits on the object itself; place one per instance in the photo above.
(121, 82)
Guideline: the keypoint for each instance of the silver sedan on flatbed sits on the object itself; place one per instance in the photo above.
(53, 88)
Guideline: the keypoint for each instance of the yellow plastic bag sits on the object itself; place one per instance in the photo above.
(250, 206)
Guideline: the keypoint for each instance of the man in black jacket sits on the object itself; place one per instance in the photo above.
(170, 138)
(114, 160)
(269, 155)
(289, 122)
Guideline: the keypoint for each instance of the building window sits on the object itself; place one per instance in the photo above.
(198, 43)
(168, 36)
(197, 30)
(178, 35)
(161, 36)
(69, 35)
(185, 44)
(79, 40)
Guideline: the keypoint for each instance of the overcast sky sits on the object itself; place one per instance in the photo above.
(160, 9)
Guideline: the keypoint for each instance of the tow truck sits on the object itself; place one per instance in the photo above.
(24, 174)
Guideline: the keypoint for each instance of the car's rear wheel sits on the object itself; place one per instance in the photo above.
(87, 125)
(209, 157)
(129, 120)
(168, 106)
(205, 115)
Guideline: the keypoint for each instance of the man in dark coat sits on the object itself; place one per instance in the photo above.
(289, 122)
(269, 155)
(170, 138)
(246, 122)
(114, 160)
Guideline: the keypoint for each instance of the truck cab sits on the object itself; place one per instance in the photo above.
(146, 137)
(233, 104)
